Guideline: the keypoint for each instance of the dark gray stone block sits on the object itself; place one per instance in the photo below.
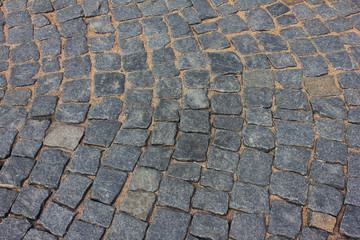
(325, 199)
(341, 61)
(101, 44)
(15, 171)
(164, 134)
(259, 137)
(197, 79)
(77, 67)
(141, 79)
(348, 38)
(296, 134)
(56, 219)
(98, 213)
(219, 180)
(354, 115)
(205, 27)
(282, 60)
(184, 171)
(109, 84)
(13, 228)
(258, 61)
(95, 7)
(169, 88)
(20, 34)
(228, 122)
(255, 167)
(135, 62)
(76, 46)
(257, 202)
(352, 97)
(353, 164)
(26, 148)
(25, 52)
(178, 26)
(125, 226)
(191, 147)
(30, 201)
(51, 47)
(330, 129)
(352, 137)
(222, 160)
(69, 13)
(245, 44)
(211, 200)
(208, 226)
(259, 116)
(48, 83)
(348, 225)
(285, 219)
(40, 6)
(196, 99)
(315, 27)
(225, 84)
(80, 229)
(72, 190)
(287, 20)
(34, 129)
(291, 33)
(204, 9)
(168, 224)
(101, 133)
(222, 63)
(258, 97)
(330, 151)
(329, 107)
(76, 91)
(291, 99)
(132, 137)
(154, 25)
(7, 197)
(86, 160)
(214, 40)
(72, 113)
(186, 45)
(165, 70)
(226, 104)
(271, 42)
(232, 24)
(178, 4)
(325, 11)
(292, 159)
(245, 5)
(59, 4)
(49, 168)
(248, 226)
(22, 75)
(145, 179)
(328, 44)
(15, 5)
(277, 9)
(192, 17)
(126, 12)
(195, 121)
(50, 64)
(157, 41)
(302, 11)
(102, 24)
(156, 157)
(129, 29)
(327, 174)
(138, 117)
(129, 157)
(37, 234)
(259, 20)
(227, 139)
(291, 78)
(175, 193)
(345, 7)
(138, 97)
(17, 97)
(167, 110)
(71, 28)
(12, 117)
(107, 185)
(312, 234)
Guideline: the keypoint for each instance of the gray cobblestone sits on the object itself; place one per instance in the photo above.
(7, 197)
(208, 226)
(211, 200)
(80, 229)
(97, 213)
(184, 171)
(13, 228)
(15, 171)
(126, 227)
(156, 157)
(127, 161)
(247, 226)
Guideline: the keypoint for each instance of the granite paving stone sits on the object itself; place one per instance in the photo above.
(330, 129)
(251, 226)
(184, 171)
(226, 104)
(80, 229)
(37, 234)
(291, 78)
(227, 83)
(287, 20)
(64, 136)
(192, 17)
(122, 157)
(194, 121)
(208, 226)
(227, 139)
(77, 67)
(220, 159)
(259, 20)
(329, 174)
(349, 38)
(50, 64)
(56, 219)
(178, 26)
(186, 45)
(21, 34)
(322, 221)
(69, 13)
(102, 25)
(22, 75)
(325, 11)
(245, 44)
(15, 170)
(131, 45)
(72, 113)
(219, 180)
(258, 61)
(164, 223)
(293, 115)
(127, 227)
(97, 213)
(164, 134)
(249, 198)
(352, 97)
(271, 42)
(353, 166)
(315, 27)
(258, 97)
(329, 107)
(49, 168)
(17, 97)
(145, 179)
(101, 44)
(14, 228)
(348, 224)
(138, 117)
(352, 138)
(141, 79)
(204, 9)
(205, 27)
(292, 159)
(341, 61)
(86, 160)
(211, 200)
(30, 201)
(156, 157)
(101, 133)
(321, 86)
(26, 148)
(232, 24)
(109, 84)
(325, 199)
(259, 137)
(233, 123)
(196, 99)
(191, 147)
(331, 151)
(34, 129)
(354, 115)
(7, 198)
(295, 134)
(71, 28)
(245, 5)
(137, 138)
(50, 47)
(259, 116)
(107, 185)
(73, 183)
(222, 63)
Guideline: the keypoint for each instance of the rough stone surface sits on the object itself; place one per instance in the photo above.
(64, 136)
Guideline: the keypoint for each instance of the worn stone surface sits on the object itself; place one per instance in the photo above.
(64, 136)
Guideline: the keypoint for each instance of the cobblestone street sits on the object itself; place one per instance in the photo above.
(179, 119)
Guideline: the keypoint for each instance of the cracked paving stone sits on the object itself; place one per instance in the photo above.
(64, 136)
(49, 168)
(102, 25)
(191, 147)
(77, 67)
(292, 115)
(211, 200)
(247, 226)
(331, 151)
(348, 225)
(325, 199)
(285, 219)
(232, 24)
(245, 44)
(227, 139)
(101, 133)
(175, 193)
(271, 42)
(80, 229)
(255, 167)
(204, 9)
(259, 137)
(128, 227)
(164, 134)
(13, 228)
(259, 116)
(259, 20)
(145, 179)
(26, 148)
(226, 104)
(86, 160)
(169, 88)
(168, 224)
(330, 129)
(76, 91)
(69, 13)
(191, 16)
(107, 185)
(41, 21)
(138, 97)
(97, 213)
(258, 79)
(258, 97)
(17, 97)
(34, 129)
(184, 171)
(122, 157)
(11, 117)
(178, 26)
(30, 201)
(167, 110)
(138, 204)
(141, 79)
(258, 61)
(226, 84)
(156, 157)
(222, 63)
(289, 186)
(256, 202)
(329, 174)
(220, 159)
(37, 234)
(293, 133)
(109, 84)
(321, 86)
(7, 197)
(15, 170)
(137, 138)
(56, 219)
(72, 190)
(196, 99)
(195, 121)
(214, 40)
(101, 44)
(292, 159)
(138, 117)
(208, 226)
(329, 107)
(291, 99)
(22, 75)
(72, 113)
(219, 180)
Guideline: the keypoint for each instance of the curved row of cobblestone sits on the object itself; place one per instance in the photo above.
(179, 119)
